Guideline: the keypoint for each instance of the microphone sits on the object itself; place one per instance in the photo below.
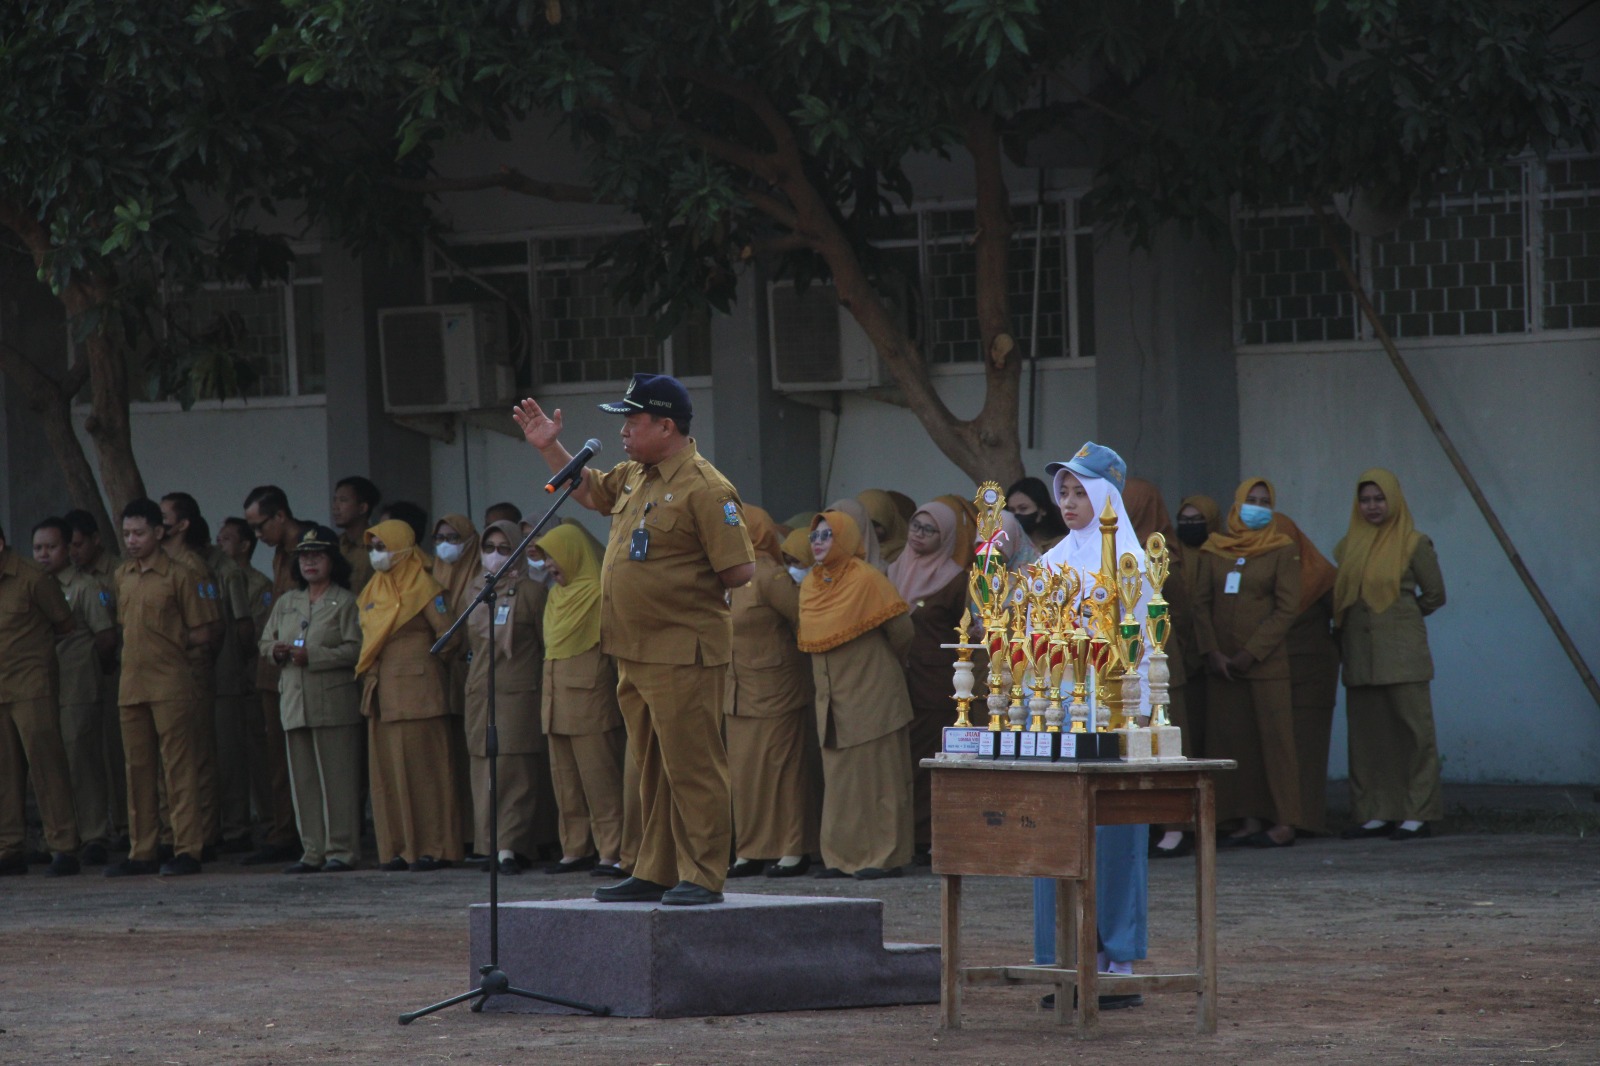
(575, 465)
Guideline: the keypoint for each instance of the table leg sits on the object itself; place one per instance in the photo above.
(1088, 960)
(950, 956)
(1066, 942)
(1205, 857)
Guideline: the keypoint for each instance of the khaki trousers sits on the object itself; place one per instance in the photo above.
(632, 819)
(866, 803)
(325, 778)
(414, 791)
(205, 750)
(674, 717)
(1315, 688)
(267, 756)
(83, 737)
(768, 766)
(30, 747)
(116, 761)
(233, 765)
(1394, 758)
(1252, 722)
(519, 788)
(586, 772)
(158, 739)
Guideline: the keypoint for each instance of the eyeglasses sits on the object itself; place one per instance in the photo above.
(497, 549)
(451, 537)
(820, 535)
(925, 530)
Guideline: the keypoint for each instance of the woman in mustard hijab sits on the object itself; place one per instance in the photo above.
(415, 794)
(588, 741)
(1388, 582)
(856, 630)
(1246, 598)
(887, 523)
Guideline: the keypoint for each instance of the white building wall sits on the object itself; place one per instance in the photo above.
(1525, 414)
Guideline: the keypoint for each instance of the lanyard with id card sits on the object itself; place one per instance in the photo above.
(639, 543)
(502, 612)
(1230, 584)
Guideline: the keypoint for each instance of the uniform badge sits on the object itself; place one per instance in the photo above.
(730, 513)
(438, 604)
(105, 598)
(266, 599)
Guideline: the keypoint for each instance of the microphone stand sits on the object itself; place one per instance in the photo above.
(492, 981)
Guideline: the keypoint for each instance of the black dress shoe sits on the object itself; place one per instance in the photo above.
(575, 866)
(510, 866)
(874, 873)
(608, 869)
(271, 853)
(1184, 846)
(394, 865)
(1264, 839)
(747, 868)
(689, 894)
(633, 890)
(164, 853)
(13, 865)
(336, 866)
(132, 868)
(830, 873)
(62, 864)
(93, 854)
(180, 865)
(302, 867)
(799, 869)
(427, 864)
(1419, 833)
(1361, 832)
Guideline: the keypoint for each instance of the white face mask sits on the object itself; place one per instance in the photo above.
(380, 560)
(798, 574)
(491, 562)
(447, 552)
(538, 569)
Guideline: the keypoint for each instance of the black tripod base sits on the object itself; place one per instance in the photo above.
(494, 982)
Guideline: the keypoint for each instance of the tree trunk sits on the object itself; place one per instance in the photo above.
(51, 400)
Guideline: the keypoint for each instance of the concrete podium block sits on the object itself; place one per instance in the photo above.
(750, 954)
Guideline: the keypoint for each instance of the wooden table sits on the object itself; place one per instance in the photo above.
(999, 818)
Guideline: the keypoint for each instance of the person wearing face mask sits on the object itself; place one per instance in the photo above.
(795, 551)
(1246, 599)
(854, 625)
(767, 714)
(1389, 581)
(455, 566)
(515, 627)
(1029, 499)
(415, 796)
(314, 636)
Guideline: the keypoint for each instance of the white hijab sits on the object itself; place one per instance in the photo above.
(1080, 549)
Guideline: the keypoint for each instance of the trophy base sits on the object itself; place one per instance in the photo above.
(1134, 742)
(1089, 747)
(1039, 747)
(1166, 743)
(961, 742)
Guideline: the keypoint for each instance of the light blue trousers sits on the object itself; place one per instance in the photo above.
(1121, 896)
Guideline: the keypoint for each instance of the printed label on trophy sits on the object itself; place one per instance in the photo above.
(986, 745)
(1008, 745)
(1069, 746)
(1030, 745)
(963, 741)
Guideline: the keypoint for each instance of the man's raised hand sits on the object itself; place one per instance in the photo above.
(538, 429)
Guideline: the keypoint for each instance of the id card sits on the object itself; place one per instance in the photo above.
(299, 642)
(639, 545)
(502, 614)
(1230, 586)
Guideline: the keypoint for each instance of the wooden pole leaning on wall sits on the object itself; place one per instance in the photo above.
(1370, 313)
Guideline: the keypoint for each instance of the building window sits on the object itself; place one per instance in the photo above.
(276, 331)
(1570, 217)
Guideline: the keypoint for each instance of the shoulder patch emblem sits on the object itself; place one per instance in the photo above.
(438, 604)
(730, 513)
(105, 598)
(266, 598)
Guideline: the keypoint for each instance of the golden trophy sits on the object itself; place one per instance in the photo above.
(1166, 739)
(961, 740)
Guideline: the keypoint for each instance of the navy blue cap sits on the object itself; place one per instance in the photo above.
(654, 394)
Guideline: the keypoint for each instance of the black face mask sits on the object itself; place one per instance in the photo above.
(1192, 533)
(1029, 522)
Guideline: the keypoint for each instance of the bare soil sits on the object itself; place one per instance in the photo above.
(1465, 949)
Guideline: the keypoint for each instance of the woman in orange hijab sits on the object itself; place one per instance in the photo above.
(1389, 581)
(415, 807)
(854, 626)
(1246, 598)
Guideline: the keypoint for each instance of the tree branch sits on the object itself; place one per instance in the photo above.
(505, 178)
(777, 124)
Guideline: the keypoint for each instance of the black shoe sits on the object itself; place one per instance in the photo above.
(799, 869)
(478, 859)
(1184, 846)
(428, 864)
(132, 868)
(830, 873)
(510, 866)
(1361, 832)
(164, 853)
(394, 865)
(236, 846)
(633, 890)
(923, 856)
(608, 869)
(180, 865)
(336, 866)
(575, 866)
(93, 854)
(271, 853)
(38, 858)
(874, 873)
(1241, 841)
(689, 894)
(1421, 832)
(747, 868)
(62, 864)
(302, 867)
(1106, 1002)
(14, 866)
(1264, 839)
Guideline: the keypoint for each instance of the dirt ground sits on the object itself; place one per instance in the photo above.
(1467, 949)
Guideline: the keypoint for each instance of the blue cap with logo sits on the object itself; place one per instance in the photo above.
(1094, 460)
(654, 394)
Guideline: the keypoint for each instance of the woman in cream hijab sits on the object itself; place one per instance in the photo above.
(854, 626)
(871, 550)
(1389, 580)
(887, 523)
(415, 806)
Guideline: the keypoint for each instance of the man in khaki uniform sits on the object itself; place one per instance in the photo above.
(677, 544)
(163, 617)
(32, 614)
(238, 540)
(267, 511)
(90, 558)
(79, 655)
(354, 500)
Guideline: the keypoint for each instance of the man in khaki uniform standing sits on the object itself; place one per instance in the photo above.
(79, 655)
(355, 498)
(163, 617)
(677, 544)
(32, 614)
(90, 558)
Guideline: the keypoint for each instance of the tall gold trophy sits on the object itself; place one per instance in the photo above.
(1166, 739)
(1130, 588)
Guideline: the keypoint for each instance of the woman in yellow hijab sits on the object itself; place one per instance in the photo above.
(1247, 595)
(588, 742)
(415, 807)
(1389, 580)
(855, 627)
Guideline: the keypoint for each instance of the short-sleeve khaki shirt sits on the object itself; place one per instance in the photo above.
(31, 606)
(94, 612)
(670, 606)
(157, 608)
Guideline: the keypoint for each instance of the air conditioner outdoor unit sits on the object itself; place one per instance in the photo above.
(816, 344)
(449, 357)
